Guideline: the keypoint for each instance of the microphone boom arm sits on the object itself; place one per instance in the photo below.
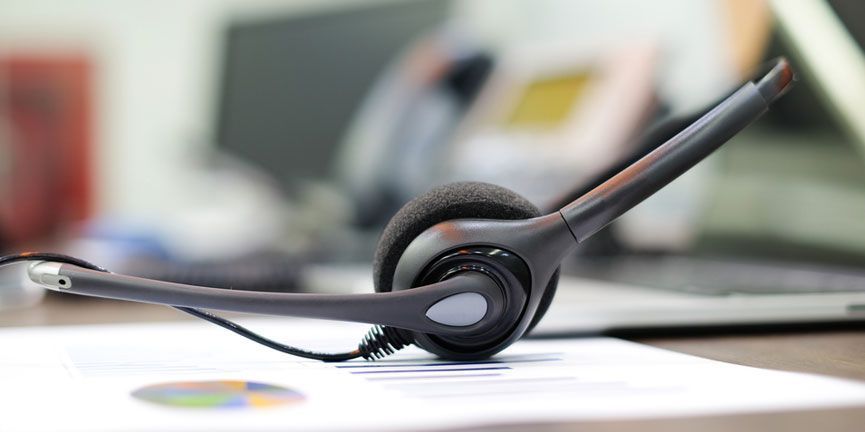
(456, 306)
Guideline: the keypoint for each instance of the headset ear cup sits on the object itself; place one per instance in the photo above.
(452, 201)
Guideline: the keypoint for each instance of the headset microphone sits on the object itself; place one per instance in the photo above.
(462, 271)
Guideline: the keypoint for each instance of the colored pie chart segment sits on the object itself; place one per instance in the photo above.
(218, 394)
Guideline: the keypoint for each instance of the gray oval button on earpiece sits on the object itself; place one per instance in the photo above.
(463, 309)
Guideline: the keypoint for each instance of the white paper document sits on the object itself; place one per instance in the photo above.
(143, 377)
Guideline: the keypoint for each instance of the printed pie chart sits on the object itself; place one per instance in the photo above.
(218, 394)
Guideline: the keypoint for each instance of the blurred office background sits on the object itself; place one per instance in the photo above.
(249, 143)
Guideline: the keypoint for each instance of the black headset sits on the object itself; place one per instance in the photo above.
(462, 271)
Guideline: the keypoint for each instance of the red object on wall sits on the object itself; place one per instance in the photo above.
(45, 145)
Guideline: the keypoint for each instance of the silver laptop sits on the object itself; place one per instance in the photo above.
(665, 293)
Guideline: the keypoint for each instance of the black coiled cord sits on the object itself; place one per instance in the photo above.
(382, 341)
(379, 342)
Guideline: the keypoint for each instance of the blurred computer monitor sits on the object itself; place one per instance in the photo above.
(291, 84)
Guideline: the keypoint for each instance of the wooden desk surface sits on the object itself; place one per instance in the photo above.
(835, 353)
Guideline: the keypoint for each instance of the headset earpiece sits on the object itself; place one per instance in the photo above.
(466, 200)
(463, 200)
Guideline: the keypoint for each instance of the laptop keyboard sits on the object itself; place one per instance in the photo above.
(723, 278)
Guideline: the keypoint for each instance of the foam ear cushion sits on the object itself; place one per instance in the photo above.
(453, 201)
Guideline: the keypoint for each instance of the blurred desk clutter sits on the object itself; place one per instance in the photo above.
(327, 121)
